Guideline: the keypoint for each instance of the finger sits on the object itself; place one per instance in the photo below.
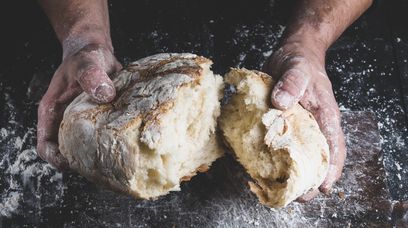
(337, 159)
(91, 68)
(327, 115)
(290, 88)
(308, 196)
(49, 117)
(329, 120)
(50, 112)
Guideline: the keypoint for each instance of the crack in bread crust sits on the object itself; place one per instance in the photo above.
(109, 143)
(284, 152)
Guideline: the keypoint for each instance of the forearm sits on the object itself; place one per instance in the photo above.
(323, 21)
(78, 22)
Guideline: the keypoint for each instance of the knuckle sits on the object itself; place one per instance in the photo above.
(91, 62)
(88, 72)
(95, 47)
(79, 54)
(294, 60)
(89, 50)
(95, 53)
(289, 53)
(294, 79)
(294, 75)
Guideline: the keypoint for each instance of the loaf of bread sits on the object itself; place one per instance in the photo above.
(159, 131)
(285, 153)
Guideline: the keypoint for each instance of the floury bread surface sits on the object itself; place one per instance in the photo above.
(284, 152)
(159, 131)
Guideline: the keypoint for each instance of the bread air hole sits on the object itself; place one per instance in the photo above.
(279, 173)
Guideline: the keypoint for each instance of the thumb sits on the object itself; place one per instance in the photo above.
(95, 82)
(289, 89)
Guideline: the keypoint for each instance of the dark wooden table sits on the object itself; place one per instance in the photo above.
(368, 67)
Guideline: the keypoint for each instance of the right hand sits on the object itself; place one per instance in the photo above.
(87, 70)
(301, 78)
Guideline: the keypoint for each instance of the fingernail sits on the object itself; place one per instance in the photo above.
(283, 99)
(104, 93)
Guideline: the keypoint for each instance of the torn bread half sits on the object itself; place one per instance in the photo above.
(283, 151)
(159, 131)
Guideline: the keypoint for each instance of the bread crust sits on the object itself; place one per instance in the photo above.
(284, 152)
(94, 137)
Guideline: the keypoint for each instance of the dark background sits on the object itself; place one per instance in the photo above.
(368, 66)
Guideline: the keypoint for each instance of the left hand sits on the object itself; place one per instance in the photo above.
(85, 70)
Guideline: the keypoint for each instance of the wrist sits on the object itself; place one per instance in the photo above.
(305, 46)
(75, 41)
(309, 37)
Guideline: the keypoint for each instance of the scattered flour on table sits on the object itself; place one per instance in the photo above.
(256, 43)
(23, 173)
(360, 89)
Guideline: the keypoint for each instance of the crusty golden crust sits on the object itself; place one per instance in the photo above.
(256, 75)
(146, 91)
(150, 66)
(284, 152)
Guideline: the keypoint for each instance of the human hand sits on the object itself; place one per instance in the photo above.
(302, 78)
(85, 69)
